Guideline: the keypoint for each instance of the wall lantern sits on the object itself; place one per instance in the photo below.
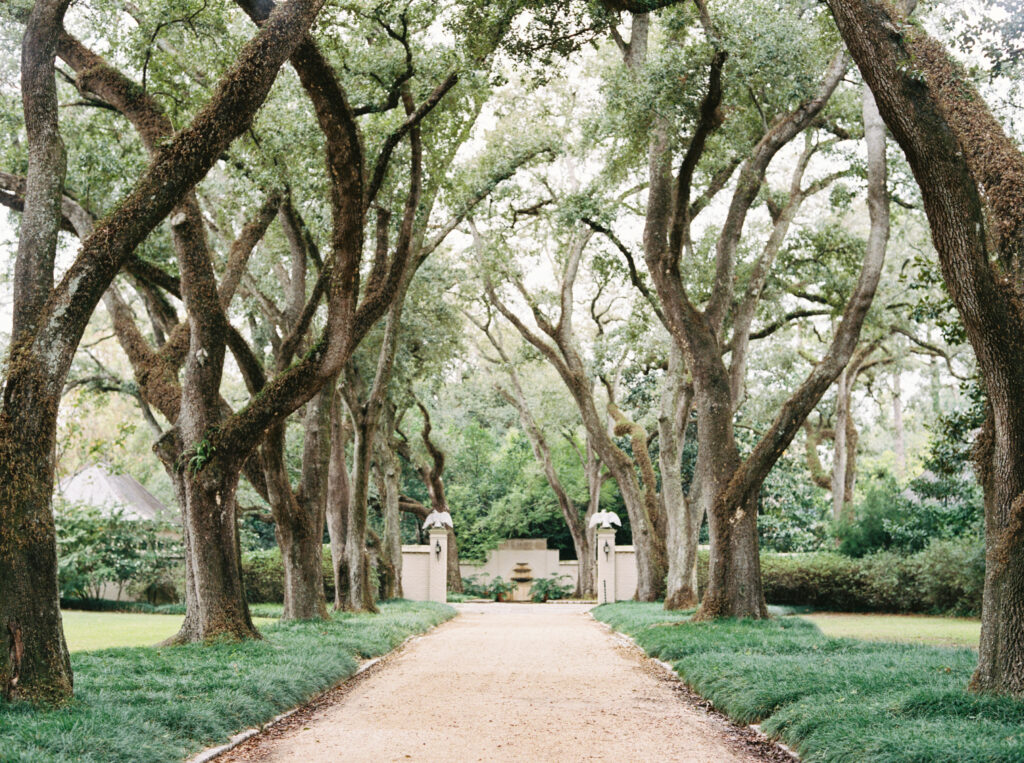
(607, 550)
(437, 549)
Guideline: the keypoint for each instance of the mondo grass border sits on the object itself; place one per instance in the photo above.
(163, 705)
(831, 699)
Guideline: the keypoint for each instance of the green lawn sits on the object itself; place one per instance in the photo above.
(911, 629)
(162, 705)
(86, 631)
(833, 699)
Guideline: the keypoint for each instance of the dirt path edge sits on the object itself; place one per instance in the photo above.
(749, 738)
(300, 713)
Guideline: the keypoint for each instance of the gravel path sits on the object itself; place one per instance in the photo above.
(509, 682)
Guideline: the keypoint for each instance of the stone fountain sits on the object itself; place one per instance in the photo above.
(522, 576)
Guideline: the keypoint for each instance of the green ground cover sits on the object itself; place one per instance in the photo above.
(912, 629)
(832, 699)
(157, 705)
(86, 631)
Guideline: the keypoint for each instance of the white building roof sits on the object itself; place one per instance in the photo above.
(97, 486)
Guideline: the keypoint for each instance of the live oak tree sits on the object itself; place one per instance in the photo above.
(51, 318)
(728, 483)
(558, 342)
(577, 522)
(971, 176)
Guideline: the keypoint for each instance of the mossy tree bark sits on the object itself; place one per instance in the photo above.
(34, 662)
(971, 176)
(48, 333)
(727, 485)
(389, 476)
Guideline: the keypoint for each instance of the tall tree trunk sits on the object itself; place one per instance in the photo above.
(338, 498)
(516, 397)
(358, 593)
(971, 176)
(214, 559)
(734, 571)
(840, 451)
(567, 361)
(390, 473)
(299, 517)
(684, 516)
(34, 662)
(899, 435)
(586, 584)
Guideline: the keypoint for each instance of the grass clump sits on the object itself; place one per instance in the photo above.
(164, 704)
(832, 699)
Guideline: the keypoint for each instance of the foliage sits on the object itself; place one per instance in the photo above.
(475, 587)
(832, 699)
(888, 518)
(163, 705)
(792, 510)
(550, 587)
(499, 588)
(97, 547)
(946, 577)
(263, 575)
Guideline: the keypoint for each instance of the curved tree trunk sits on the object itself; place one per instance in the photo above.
(841, 510)
(684, 516)
(581, 539)
(971, 176)
(34, 662)
(565, 357)
(338, 498)
(389, 487)
(299, 518)
(358, 594)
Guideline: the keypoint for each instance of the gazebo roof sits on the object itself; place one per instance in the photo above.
(98, 486)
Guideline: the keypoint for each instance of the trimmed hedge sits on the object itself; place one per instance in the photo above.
(947, 577)
(263, 576)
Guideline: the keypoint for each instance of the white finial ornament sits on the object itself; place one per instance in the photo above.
(606, 519)
(438, 519)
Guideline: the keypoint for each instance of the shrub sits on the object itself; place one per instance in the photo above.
(263, 575)
(551, 587)
(945, 578)
(475, 587)
(97, 547)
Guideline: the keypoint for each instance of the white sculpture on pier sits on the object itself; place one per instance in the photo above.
(438, 519)
(606, 519)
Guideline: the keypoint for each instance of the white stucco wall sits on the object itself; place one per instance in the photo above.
(416, 573)
(625, 573)
(542, 561)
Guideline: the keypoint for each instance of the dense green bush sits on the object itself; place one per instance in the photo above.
(946, 577)
(96, 548)
(263, 575)
(552, 587)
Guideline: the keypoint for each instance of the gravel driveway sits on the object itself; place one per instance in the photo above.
(508, 682)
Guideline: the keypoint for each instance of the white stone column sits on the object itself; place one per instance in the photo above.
(605, 565)
(438, 565)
